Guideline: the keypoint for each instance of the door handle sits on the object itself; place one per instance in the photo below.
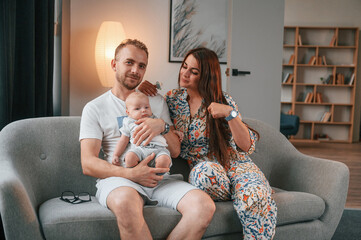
(235, 72)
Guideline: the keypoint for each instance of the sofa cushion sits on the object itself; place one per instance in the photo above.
(295, 207)
(90, 220)
(292, 207)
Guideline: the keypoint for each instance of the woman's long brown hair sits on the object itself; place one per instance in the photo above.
(210, 89)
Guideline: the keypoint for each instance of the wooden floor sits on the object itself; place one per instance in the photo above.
(350, 154)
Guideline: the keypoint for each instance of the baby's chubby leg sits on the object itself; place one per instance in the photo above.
(131, 160)
(163, 161)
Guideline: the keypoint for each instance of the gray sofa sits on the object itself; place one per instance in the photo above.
(40, 158)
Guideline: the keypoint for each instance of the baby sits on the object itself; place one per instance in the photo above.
(137, 107)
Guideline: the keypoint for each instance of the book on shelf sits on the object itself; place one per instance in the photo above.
(333, 41)
(319, 98)
(340, 79)
(352, 79)
(309, 97)
(312, 60)
(321, 136)
(285, 77)
(290, 78)
(299, 40)
(319, 60)
(324, 60)
(325, 117)
(292, 59)
(323, 139)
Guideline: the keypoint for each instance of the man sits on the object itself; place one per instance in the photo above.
(125, 190)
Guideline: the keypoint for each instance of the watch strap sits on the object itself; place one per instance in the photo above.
(232, 114)
(166, 129)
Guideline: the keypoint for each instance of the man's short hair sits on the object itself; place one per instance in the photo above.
(134, 42)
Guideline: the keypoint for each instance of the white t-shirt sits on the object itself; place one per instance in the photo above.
(100, 119)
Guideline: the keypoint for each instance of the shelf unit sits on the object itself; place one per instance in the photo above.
(319, 81)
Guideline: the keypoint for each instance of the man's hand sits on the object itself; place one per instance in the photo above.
(148, 128)
(147, 88)
(145, 175)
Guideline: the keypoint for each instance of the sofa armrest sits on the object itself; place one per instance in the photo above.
(300, 172)
(325, 178)
(288, 169)
(17, 211)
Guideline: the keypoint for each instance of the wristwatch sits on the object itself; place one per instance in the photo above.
(166, 129)
(232, 115)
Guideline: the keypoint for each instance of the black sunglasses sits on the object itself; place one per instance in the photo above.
(70, 197)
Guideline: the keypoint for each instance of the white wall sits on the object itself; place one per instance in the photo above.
(145, 20)
(339, 13)
(323, 12)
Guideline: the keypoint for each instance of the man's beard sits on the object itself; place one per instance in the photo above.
(128, 86)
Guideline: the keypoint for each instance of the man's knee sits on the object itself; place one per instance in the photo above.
(125, 202)
(205, 205)
(197, 205)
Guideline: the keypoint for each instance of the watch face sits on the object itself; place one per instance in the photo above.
(234, 114)
(166, 129)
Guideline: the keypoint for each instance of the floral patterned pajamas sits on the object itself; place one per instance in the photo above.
(243, 182)
(249, 191)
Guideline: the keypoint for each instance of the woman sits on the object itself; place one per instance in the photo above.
(217, 143)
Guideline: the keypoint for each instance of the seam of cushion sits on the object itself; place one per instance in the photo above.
(69, 221)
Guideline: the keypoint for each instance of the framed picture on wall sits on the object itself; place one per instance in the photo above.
(198, 23)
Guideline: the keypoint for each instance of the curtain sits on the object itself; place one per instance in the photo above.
(26, 59)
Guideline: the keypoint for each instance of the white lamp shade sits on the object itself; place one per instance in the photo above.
(110, 35)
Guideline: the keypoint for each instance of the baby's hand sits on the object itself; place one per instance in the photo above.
(116, 161)
(179, 134)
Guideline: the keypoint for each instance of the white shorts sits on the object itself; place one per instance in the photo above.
(167, 193)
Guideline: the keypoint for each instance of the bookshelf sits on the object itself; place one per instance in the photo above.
(319, 81)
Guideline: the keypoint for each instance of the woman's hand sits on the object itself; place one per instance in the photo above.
(179, 134)
(218, 110)
(238, 129)
(147, 88)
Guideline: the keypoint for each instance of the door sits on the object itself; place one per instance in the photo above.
(255, 40)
